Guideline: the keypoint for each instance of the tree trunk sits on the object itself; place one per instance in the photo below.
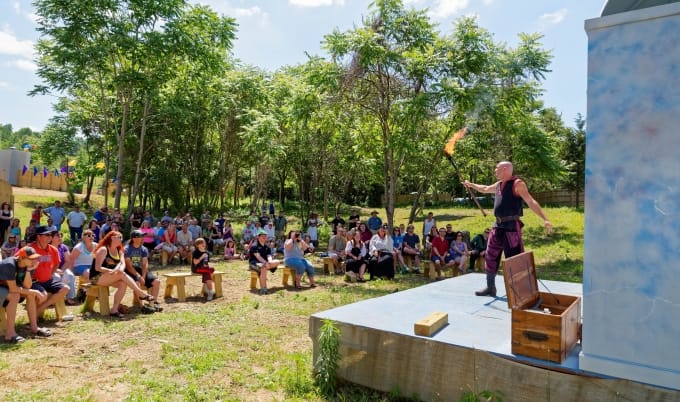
(121, 150)
(140, 154)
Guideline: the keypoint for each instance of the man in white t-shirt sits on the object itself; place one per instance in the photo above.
(76, 221)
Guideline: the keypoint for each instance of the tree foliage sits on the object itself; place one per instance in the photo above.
(149, 88)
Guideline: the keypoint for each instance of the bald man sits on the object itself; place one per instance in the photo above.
(506, 233)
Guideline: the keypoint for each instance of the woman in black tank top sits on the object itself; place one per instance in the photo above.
(108, 269)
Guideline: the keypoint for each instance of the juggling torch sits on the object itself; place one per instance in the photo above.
(448, 151)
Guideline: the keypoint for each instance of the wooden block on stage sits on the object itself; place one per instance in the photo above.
(431, 324)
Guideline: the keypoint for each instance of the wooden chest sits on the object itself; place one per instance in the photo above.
(544, 325)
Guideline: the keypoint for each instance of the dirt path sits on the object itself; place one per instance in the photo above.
(37, 191)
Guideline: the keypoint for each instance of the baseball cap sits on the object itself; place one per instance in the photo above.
(43, 230)
(27, 252)
(137, 233)
(261, 232)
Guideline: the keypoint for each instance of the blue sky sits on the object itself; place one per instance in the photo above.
(274, 33)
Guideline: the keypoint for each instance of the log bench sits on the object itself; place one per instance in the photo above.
(179, 279)
(95, 292)
(59, 309)
(287, 273)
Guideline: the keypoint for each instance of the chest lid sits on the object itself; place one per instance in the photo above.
(521, 286)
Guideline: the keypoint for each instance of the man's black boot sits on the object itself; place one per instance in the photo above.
(490, 289)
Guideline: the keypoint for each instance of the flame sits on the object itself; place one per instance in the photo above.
(451, 145)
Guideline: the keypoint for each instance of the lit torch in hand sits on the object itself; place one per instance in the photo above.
(448, 151)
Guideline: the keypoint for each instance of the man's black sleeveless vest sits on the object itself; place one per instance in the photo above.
(507, 205)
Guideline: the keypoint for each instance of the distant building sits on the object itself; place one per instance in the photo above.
(11, 162)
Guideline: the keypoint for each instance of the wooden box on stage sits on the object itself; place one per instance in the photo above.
(544, 325)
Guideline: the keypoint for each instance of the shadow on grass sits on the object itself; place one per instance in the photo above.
(536, 236)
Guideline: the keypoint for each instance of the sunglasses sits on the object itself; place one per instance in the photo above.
(87, 235)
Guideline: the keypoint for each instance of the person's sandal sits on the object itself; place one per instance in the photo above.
(42, 333)
(147, 297)
(15, 339)
(117, 314)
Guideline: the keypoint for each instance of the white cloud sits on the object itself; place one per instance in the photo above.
(446, 8)
(487, 2)
(553, 18)
(247, 12)
(9, 44)
(4, 84)
(23, 64)
(316, 3)
(17, 6)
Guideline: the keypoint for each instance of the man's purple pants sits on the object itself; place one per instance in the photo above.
(501, 241)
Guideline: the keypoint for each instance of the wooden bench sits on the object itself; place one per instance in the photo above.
(328, 266)
(3, 320)
(59, 309)
(287, 273)
(95, 292)
(178, 279)
(428, 269)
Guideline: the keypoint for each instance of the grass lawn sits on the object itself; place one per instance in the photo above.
(239, 347)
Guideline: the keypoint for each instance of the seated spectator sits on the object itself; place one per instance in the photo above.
(261, 259)
(51, 225)
(80, 260)
(458, 251)
(10, 246)
(397, 241)
(354, 219)
(450, 235)
(205, 219)
(336, 250)
(381, 263)
(137, 268)
(227, 231)
(337, 221)
(366, 234)
(184, 243)
(219, 223)
(374, 222)
(136, 218)
(200, 264)
(411, 247)
(230, 251)
(101, 214)
(246, 235)
(63, 273)
(165, 219)
(117, 216)
(434, 233)
(478, 248)
(29, 236)
(15, 228)
(440, 253)
(195, 229)
(356, 253)
(168, 241)
(271, 233)
(215, 239)
(148, 217)
(106, 227)
(109, 270)
(93, 226)
(149, 238)
(48, 263)
(15, 286)
(310, 246)
(294, 257)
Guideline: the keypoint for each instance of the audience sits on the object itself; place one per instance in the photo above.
(381, 247)
(137, 268)
(293, 256)
(458, 251)
(261, 259)
(200, 264)
(356, 257)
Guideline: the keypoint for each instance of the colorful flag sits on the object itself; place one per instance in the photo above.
(56, 172)
(23, 170)
(64, 169)
(100, 165)
(35, 171)
(45, 171)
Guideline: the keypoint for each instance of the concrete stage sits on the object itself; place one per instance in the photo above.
(472, 353)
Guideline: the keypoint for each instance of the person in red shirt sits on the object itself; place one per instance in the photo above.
(48, 262)
(440, 251)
